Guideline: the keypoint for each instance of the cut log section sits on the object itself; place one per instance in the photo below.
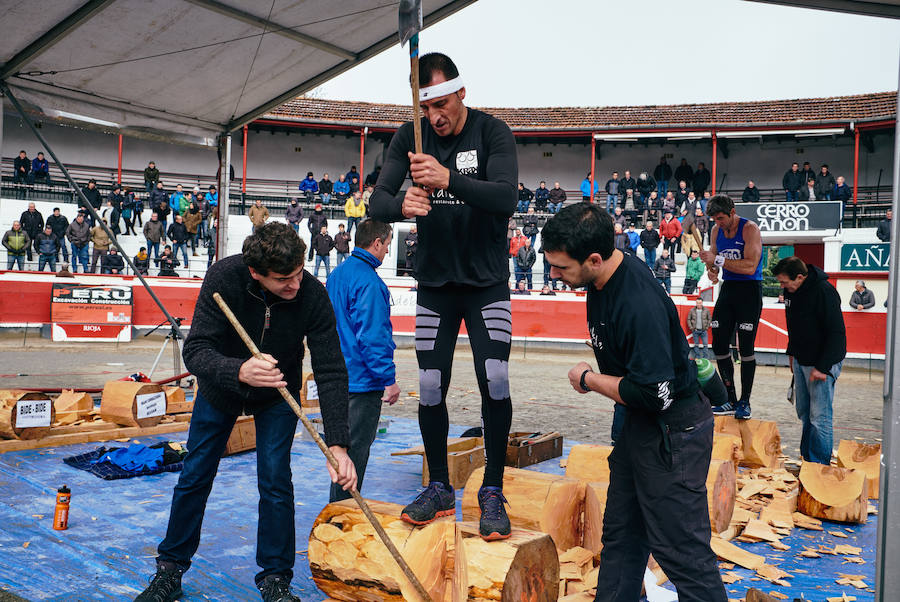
(523, 567)
(349, 562)
(721, 483)
(25, 414)
(833, 493)
(728, 447)
(72, 406)
(864, 457)
(552, 504)
(309, 391)
(760, 440)
(594, 507)
(589, 463)
(132, 403)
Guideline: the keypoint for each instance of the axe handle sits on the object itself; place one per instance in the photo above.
(697, 236)
(414, 81)
(379, 529)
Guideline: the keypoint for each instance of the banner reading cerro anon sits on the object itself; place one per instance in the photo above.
(80, 312)
(793, 217)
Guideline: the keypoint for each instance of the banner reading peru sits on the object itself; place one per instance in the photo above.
(94, 313)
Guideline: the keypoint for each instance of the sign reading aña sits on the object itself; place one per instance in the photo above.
(866, 258)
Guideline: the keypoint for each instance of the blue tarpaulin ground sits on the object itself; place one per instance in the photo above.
(114, 526)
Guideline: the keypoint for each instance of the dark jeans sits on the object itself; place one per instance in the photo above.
(656, 502)
(352, 221)
(152, 249)
(12, 260)
(46, 259)
(666, 283)
(364, 413)
(209, 432)
(80, 255)
(97, 257)
(183, 247)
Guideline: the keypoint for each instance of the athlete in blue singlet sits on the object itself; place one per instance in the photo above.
(736, 251)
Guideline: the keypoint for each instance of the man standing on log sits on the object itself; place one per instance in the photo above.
(656, 501)
(817, 344)
(735, 247)
(279, 304)
(465, 192)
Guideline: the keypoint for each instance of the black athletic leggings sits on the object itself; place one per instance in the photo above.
(739, 307)
(439, 313)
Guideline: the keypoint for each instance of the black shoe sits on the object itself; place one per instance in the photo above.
(164, 587)
(494, 522)
(276, 588)
(437, 500)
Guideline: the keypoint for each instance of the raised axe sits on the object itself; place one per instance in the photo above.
(410, 22)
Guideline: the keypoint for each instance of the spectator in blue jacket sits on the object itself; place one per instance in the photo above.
(842, 192)
(40, 169)
(586, 188)
(309, 186)
(541, 196)
(634, 239)
(362, 309)
(341, 189)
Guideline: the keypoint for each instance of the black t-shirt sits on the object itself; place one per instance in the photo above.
(463, 238)
(636, 333)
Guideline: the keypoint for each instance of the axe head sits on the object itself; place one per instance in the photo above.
(410, 19)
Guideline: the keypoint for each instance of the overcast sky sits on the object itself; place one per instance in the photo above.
(641, 52)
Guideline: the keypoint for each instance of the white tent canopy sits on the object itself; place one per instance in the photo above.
(188, 70)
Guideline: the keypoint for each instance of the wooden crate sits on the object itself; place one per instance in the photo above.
(243, 436)
(464, 456)
(525, 449)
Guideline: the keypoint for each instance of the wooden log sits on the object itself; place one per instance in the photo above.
(13, 403)
(594, 507)
(864, 457)
(760, 440)
(72, 406)
(589, 462)
(721, 483)
(538, 501)
(309, 391)
(728, 447)
(132, 403)
(464, 455)
(833, 493)
(103, 433)
(349, 562)
(523, 567)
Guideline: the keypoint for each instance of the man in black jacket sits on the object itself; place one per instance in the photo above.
(316, 221)
(467, 175)
(662, 174)
(32, 222)
(112, 262)
(321, 245)
(21, 168)
(884, 227)
(649, 241)
(817, 345)
(179, 236)
(702, 180)
(525, 258)
(59, 223)
(792, 182)
(684, 172)
(751, 193)
(47, 244)
(279, 304)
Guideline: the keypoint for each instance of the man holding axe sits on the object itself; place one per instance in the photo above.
(464, 193)
(279, 304)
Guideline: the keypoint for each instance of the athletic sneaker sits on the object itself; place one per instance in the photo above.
(742, 410)
(165, 585)
(436, 500)
(276, 588)
(726, 409)
(494, 523)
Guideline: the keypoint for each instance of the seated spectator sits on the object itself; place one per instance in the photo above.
(530, 225)
(167, 262)
(40, 169)
(669, 203)
(142, 262)
(884, 227)
(751, 193)
(17, 243)
(525, 197)
(112, 262)
(309, 187)
(681, 195)
(547, 291)
(521, 289)
(808, 192)
(557, 198)
(326, 187)
(354, 185)
(653, 206)
(620, 239)
(21, 168)
(663, 270)
(367, 194)
(619, 217)
(353, 173)
(372, 178)
(342, 189)
(645, 185)
(64, 272)
(705, 200)
(842, 192)
(862, 298)
(47, 245)
(541, 196)
(701, 222)
(259, 215)
(825, 184)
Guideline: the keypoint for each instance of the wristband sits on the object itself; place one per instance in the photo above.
(582, 383)
(719, 261)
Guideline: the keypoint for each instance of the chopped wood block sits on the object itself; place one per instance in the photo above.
(123, 402)
(833, 493)
(589, 463)
(728, 447)
(760, 438)
(720, 492)
(309, 392)
(810, 554)
(72, 406)
(772, 573)
(867, 458)
(538, 501)
(732, 553)
(592, 525)
(464, 456)
(10, 402)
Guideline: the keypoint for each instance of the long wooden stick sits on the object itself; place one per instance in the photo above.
(420, 589)
(414, 81)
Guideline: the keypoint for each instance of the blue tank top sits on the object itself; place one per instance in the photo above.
(733, 248)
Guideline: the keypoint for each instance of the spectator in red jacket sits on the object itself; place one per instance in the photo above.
(670, 232)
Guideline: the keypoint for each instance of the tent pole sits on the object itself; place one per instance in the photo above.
(174, 322)
(224, 193)
(887, 578)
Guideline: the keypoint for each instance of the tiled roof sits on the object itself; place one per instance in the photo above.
(802, 111)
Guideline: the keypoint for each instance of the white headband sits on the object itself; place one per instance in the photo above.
(441, 89)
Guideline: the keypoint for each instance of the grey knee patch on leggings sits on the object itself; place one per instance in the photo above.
(497, 372)
(429, 387)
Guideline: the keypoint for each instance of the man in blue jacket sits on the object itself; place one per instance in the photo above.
(362, 308)
(309, 187)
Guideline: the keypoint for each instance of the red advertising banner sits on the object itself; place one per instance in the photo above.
(95, 313)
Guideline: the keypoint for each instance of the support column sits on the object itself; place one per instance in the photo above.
(244, 164)
(855, 163)
(593, 164)
(715, 143)
(1, 125)
(119, 168)
(362, 156)
(224, 195)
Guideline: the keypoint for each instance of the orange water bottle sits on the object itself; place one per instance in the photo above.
(61, 516)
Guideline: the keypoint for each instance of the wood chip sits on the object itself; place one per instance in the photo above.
(843, 598)
(838, 534)
(577, 555)
(772, 573)
(730, 577)
(847, 550)
(726, 566)
(810, 554)
(778, 595)
(853, 560)
(779, 546)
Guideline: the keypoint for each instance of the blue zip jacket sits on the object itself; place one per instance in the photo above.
(634, 240)
(362, 307)
(586, 187)
(309, 185)
(342, 187)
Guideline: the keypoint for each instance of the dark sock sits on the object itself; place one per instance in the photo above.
(726, 371)
(497, 418)
(748, 371)
(434, 423)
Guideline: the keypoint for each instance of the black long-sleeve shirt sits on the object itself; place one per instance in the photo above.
(462, 240)
(214, 352)
(815, 324)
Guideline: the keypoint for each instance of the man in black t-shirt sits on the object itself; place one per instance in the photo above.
(656, 501)
(465, 192)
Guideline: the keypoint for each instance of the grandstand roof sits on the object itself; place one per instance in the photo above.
(802, 111)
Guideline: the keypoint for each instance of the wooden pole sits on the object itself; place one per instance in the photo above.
(414, 81)
(420, 589)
